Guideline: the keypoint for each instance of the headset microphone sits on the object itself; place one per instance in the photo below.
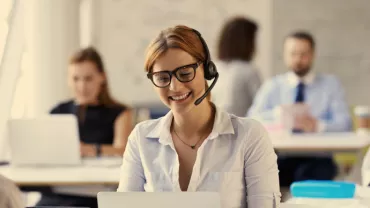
(210, 69)
(199, 100)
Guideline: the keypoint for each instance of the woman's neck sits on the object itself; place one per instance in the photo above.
(198, 122)
(89, 103)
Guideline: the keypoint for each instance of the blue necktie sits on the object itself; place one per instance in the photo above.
(299, 99)
(300, 93)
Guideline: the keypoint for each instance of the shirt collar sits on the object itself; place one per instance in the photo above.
(294, 80)
(222, 125)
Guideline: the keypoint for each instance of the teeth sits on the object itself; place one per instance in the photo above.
(180, 97)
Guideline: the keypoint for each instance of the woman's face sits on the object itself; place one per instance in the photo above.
(86, 82)
(179, 96)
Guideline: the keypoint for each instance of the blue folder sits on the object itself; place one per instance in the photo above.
(323, 189)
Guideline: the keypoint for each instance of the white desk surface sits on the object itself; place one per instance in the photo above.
(332, 142)
(327, 203)
(72, 175)
(109, 174)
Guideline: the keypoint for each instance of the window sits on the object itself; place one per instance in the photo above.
(6, 16)
(5, 12)
(22, 87)
(22, 92)
(5, 7)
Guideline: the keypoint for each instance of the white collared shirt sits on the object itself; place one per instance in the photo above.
(237, 86)
(237, 160)
(294, 79)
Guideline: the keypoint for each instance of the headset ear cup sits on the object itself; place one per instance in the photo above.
(206, 71)
(210, 71)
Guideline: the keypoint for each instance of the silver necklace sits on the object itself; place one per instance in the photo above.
(191, 146)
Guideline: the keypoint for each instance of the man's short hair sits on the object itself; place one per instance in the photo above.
(303, 35)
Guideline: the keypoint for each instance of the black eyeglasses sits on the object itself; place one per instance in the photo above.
(163, 79)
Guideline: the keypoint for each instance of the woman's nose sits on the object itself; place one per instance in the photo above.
(175, 84)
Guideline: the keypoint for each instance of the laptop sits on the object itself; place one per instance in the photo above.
(44, 141)
(56, 207)
(285, 205)
(159, 199)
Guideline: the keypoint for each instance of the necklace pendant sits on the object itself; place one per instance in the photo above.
(192, 146)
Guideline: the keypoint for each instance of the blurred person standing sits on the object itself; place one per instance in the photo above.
(239, 80)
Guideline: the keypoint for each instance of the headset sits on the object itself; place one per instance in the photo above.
(210, 70)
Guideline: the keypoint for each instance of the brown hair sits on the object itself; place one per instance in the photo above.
(303, 35)
(90, 54)
(180, 37)
(237, 40)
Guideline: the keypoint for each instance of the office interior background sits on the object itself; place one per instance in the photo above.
(52, 30)
(37, 38)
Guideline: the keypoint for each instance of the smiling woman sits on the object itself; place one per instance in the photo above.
(196, 146)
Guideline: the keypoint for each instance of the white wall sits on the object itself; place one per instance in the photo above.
(9, 71)
(123, 30)
(342, 32)
(52, 35)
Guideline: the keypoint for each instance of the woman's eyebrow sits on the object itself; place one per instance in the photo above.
(164, 70)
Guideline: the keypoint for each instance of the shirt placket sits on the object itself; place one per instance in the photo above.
(175, 174)
(196, 174)
(175, 169)
(194, 179)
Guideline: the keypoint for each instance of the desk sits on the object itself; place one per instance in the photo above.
(309, 144)
(103, 175)
(327, 203)
(65, 176)
(320, 142)
(287, 205)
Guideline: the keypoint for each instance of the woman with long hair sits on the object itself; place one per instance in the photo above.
(104, 124)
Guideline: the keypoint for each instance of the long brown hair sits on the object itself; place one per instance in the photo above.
(237, 40)
(90, 54)
(180, 37)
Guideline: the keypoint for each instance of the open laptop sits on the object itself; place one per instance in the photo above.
(159, 199)
(285, 205)
(49, 140)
